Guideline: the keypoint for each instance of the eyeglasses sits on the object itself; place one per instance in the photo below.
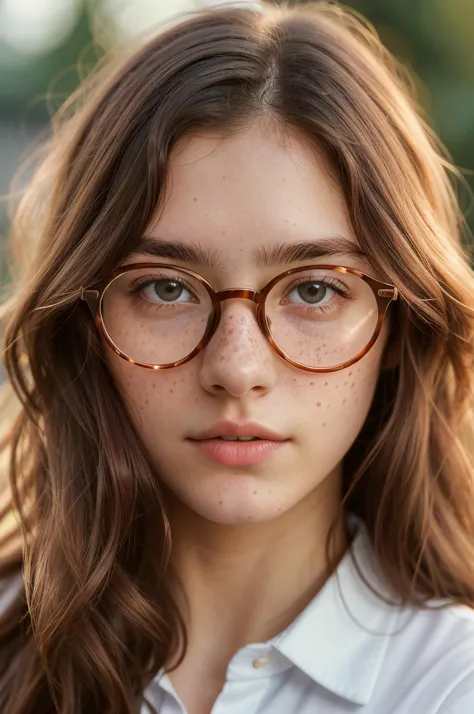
(320, 318)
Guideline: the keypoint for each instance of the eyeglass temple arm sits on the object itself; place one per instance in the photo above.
(391, 293)
(91, 297)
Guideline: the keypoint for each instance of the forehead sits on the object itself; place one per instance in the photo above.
(254, 187)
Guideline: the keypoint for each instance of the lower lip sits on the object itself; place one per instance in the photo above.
(238, 453)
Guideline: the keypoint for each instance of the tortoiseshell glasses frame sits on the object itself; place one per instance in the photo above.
(384, 294)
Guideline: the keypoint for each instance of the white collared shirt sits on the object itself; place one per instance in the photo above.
(349, 651)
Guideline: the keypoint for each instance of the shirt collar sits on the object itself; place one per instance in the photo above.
(341, 637)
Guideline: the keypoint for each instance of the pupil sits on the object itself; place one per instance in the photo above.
(168, 290)
(311, 292)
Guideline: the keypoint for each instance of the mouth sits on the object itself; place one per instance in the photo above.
(239, 431)
(239, 438)
(233, 444)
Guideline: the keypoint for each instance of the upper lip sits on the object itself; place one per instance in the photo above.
(229, 428)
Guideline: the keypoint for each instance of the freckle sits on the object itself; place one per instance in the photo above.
(312, 384)
(182, 380)
(279, 510)
(254, 493)
(196, 400)
(171, 391)
(352, 385)
(220, 503)
(337, 386)
(324, 424)
(345, 383)
(223, 177)
(343, 401)
(325, 384)
(250, 518)
(318, 404)
(146, 401)
(269, 490)
(350, 374)
(194, 199)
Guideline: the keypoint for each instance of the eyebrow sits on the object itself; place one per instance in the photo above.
(263, 256)
(284, 253)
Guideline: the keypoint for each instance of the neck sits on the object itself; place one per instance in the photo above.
(249, 582)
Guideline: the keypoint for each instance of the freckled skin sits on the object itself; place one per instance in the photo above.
(269, 192)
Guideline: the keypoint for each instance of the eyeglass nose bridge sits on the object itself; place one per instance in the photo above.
(232, 293)
(255, 296)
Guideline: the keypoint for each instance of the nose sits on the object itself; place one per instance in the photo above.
(238, 360)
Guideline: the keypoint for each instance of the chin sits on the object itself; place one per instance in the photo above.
(233, 513)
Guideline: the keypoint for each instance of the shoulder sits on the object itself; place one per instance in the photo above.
(420, 659)
(448, 625)
(432, 653)
(452, 639)
(460, 700)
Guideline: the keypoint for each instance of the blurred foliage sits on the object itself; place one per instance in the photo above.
(31, 86)
(433, 38)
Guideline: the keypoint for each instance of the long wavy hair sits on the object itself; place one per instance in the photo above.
(92, 616)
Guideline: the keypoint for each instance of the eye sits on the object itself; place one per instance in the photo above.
(311, 292)
(165, 290)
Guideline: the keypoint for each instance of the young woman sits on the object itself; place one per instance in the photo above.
(241, 463)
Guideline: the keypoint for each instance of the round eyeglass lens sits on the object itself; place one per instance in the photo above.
(156, 315)
(321, 318)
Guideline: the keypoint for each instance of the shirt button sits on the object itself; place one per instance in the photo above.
(260, 662)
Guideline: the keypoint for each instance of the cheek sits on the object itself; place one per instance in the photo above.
(347, 399)
(333, 407)
(336, 399)
(154, 399)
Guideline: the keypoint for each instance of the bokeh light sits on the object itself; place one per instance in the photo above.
(35, 27)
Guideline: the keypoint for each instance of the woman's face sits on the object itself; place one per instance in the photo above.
(229, 197)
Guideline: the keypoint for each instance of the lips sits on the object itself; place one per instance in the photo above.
(235, 452)
(238, 429)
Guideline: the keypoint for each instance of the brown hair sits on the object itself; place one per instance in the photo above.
(96, 618)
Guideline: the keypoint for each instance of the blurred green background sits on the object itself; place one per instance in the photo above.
(42, 40)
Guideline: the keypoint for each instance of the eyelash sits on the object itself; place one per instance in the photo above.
(330, 282)
(141, 283)
(338, 287)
